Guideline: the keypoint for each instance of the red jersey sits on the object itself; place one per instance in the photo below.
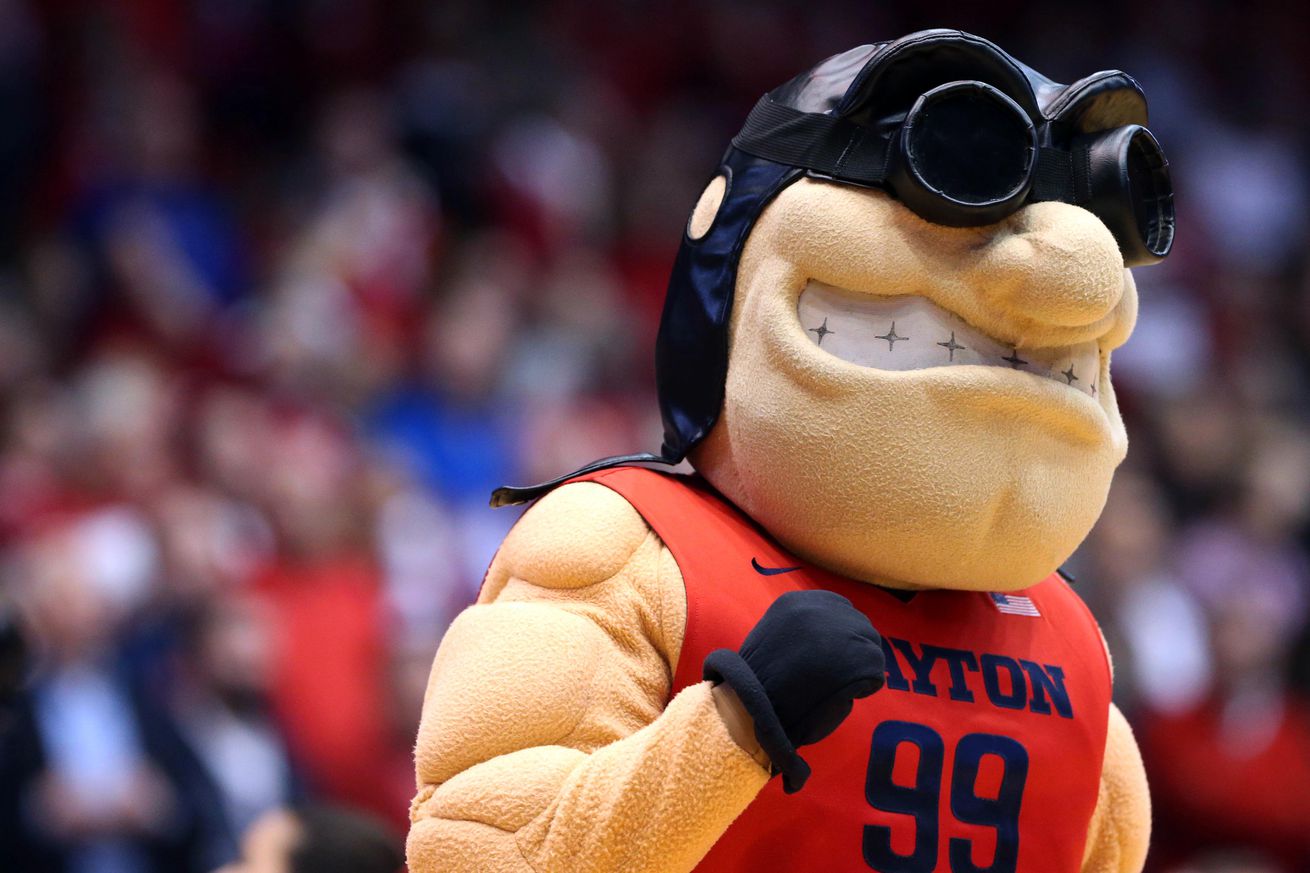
(982, 753)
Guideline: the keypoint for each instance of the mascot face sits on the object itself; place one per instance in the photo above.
(918, 405)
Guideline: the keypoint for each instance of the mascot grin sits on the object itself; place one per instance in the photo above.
(843, 644)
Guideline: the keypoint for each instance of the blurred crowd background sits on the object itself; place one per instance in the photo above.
(288, 286)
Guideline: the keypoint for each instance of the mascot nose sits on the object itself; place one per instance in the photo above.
(1053, 263)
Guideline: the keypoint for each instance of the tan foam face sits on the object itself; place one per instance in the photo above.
(904, 456)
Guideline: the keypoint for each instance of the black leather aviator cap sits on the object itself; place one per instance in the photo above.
(944, 121)
(960, 133)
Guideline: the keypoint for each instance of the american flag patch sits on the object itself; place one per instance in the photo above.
(1013, 604)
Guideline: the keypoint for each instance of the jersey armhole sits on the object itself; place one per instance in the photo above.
(1102, 645)
(690, 608)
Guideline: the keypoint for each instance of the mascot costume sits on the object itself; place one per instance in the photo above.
(885, 350)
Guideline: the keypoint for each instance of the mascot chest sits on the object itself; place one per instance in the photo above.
(983, 751)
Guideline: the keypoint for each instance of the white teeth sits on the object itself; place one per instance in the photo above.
(913, 333)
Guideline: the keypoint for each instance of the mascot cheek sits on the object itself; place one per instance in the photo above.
(882, 497)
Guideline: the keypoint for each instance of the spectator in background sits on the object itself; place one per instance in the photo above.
(165, 246)
(1153, 626)
(1233, 769)
(317, 839)
(84, 764)
(453, 426)
(348, 292)
(325, 602)
(234, 756)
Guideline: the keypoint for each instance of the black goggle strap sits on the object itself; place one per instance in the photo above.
(826, 144)
(833, 146)
(1062, 175)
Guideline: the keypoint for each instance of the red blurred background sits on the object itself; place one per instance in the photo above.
(288, 286)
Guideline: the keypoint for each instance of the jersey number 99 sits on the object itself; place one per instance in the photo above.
(922, 799)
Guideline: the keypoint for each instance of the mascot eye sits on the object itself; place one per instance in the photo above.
(707, 208)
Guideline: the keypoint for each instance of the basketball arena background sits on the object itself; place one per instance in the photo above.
(286, 288)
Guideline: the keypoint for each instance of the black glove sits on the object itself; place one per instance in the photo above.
(799, 671)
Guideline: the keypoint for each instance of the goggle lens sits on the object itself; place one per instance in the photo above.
(1130, 191)
(968, 143)
(1151, 193)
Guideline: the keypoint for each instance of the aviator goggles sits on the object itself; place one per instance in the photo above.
(966, 155)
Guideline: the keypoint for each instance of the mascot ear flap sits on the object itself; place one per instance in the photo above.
(707, 207)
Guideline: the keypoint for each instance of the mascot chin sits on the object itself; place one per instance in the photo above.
(843, 644)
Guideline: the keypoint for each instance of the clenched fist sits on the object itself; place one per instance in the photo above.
(798, 673)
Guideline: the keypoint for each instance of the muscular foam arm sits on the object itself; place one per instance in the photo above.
(1120, 831)
(545, 743)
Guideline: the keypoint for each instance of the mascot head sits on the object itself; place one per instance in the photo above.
(887, 334)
